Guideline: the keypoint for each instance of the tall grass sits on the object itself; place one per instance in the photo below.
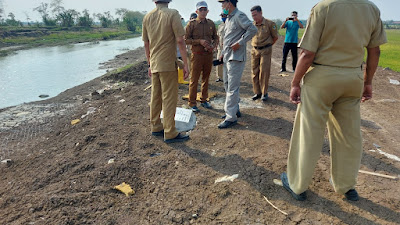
(390, 52)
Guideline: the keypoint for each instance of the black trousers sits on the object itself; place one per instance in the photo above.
(286, 48)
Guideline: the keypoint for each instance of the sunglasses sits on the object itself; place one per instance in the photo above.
(202, 9)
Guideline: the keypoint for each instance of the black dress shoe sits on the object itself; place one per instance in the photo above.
(179, 138)
(255, 97)
(265, 97)
(158, 133)
(226, 124)
(285, 182)
(282, 70)
(352, 195)
(238, 114)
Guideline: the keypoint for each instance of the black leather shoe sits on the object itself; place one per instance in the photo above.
(218, 80)
(352, 195)
(226, 124)
(158, 133)
(282, 70)
(255, 97)
(285, 182)
(179, 138)
(238, 114)
(265, 97)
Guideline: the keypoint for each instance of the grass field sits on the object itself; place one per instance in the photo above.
(390, 52)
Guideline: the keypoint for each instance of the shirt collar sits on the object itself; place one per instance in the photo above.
(233, 13)
(201, 21)
(161, 5)
(262, 22)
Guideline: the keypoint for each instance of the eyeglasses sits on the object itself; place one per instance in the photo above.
(202, 9)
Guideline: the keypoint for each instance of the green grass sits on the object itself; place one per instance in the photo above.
(390, 52)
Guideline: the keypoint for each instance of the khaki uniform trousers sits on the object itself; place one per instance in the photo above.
(329, 96)
(220, 68)
(164, 95)
(261, 69)
(200, 63)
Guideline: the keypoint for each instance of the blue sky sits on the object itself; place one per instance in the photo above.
(271, 9)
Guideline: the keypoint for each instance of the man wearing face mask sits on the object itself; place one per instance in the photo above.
(221, 32)
(238, 31)
(202, 35)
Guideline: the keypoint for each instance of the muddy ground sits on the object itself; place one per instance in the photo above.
(60, 174)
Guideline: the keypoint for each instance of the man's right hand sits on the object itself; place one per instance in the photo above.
(367, 94)
(295, 92)
(149, 72)
(185, 72)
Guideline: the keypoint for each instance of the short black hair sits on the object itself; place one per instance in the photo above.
(295, 12)
(256, 8)
(234, 2)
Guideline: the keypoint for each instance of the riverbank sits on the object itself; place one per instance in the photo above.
(14, 39)
(65, 173)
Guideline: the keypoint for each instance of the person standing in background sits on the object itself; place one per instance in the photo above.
(221, 32)
(292, 25)
(267, 35)
(202, 35)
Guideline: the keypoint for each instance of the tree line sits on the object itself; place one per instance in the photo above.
(55, 14)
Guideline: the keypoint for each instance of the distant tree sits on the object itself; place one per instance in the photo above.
(133, 20)
(1, 12)
(84, 20)
(43, 10)
(28, 19)
(12, 21)
(56, 7)
(66, 18)
(105, 19)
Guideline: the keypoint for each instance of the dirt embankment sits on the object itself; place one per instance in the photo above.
(66, 173)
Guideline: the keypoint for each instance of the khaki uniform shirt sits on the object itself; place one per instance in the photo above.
(221, 33)
(161, 27)
(266, 32)
(197, 30)
(339, 30)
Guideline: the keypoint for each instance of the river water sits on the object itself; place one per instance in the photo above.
(51, 70)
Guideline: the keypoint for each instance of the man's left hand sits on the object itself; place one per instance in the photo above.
(235, 47)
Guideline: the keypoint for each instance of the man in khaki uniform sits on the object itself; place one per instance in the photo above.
(221, 32)
(267, 35)
(162, 31)
(202, 35)
(333, 84)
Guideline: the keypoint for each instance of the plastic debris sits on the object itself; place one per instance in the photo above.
(91, 110)
(125, 188)
(122, 101)
(227, 178)
(155, 154)
(6, 162)
(283, 75)
(395, 82)
(377, 146)
(278, 182)
(73, 122)
(111, 161)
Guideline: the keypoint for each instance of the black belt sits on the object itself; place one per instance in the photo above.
(262, 47)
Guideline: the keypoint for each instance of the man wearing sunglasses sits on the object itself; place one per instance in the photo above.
(201, 33)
